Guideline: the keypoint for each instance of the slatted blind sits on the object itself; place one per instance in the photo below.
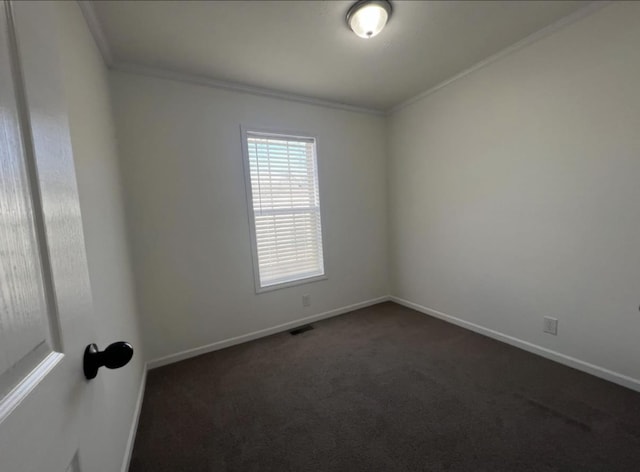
(286, 207)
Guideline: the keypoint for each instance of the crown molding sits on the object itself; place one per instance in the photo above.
(206, 81)
(532, 38)
(99, 36)
(95, 27)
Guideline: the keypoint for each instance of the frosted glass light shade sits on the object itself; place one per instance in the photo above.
(367, 18)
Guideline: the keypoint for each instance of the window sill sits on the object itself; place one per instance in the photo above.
(293, 283)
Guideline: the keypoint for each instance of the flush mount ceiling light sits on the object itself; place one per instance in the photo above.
(367, 17)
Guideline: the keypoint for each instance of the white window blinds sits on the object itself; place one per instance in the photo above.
(286, 208)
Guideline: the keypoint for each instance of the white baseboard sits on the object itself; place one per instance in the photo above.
(134, 425)
(179, 356)
(592, 369)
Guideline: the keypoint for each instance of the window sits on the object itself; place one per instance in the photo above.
(282, 189)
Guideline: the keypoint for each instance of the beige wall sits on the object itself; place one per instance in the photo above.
(182, 163)
(514, 193)
(97, 173)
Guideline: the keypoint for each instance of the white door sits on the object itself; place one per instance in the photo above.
(45, 300)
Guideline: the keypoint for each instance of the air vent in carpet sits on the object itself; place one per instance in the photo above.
(301, 329)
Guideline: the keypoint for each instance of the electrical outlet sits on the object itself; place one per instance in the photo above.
(551, 325)
(306, 300)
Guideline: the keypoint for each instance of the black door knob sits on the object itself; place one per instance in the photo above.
(114, 356)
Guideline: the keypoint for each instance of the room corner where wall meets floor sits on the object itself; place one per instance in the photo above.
(598, 371)
(225, 343)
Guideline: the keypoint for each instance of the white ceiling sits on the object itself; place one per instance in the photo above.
(305, 47)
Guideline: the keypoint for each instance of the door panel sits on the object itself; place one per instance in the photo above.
(24, 327)
(45, 299)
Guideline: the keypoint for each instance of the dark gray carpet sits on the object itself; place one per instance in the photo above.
(383, 389)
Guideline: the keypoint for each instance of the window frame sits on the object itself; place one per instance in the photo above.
(244, 131)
